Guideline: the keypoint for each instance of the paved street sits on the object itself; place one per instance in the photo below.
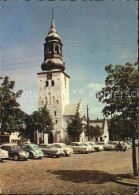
(78, 174)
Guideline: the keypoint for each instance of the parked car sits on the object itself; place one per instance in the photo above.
(3, 155)
(78, 147)
(15, 152)
(109, 147)
(67, 150)
(51, 150)
(33, 150)
(96, 146)
(106, 146)
(113, 142)
(127, 145)
(87, 144)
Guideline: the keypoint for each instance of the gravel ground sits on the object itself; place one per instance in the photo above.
(77, 174)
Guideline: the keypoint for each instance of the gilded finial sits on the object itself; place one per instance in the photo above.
(52, 12)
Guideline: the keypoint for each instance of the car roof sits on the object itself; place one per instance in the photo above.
(9, 144)
(30, 144)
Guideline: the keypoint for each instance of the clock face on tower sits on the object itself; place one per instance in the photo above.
(49, 76)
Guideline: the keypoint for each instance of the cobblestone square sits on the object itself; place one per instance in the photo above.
(77, 174)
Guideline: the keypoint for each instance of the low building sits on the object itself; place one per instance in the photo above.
(9, 137)
(103, 124)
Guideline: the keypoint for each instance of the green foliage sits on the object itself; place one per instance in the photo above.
(39, 120)
(10, 113)
(75, 127)
(95, 131)
(120, 97)
(42, 120)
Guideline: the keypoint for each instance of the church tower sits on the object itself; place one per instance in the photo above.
(53, 82)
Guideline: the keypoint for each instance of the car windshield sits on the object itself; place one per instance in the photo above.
(36, 147)
(100, 143)
(82, 144)
(15, 147)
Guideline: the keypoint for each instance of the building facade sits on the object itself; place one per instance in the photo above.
(103, 124)
(53, 88)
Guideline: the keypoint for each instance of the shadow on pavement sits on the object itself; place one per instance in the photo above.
(81, 176)
(87, 176)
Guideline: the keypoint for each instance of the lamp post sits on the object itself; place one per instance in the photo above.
(88, 131)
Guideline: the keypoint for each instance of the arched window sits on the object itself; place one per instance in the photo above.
(52, 83)
(56, 49)
(50, 49)
(47, 83)
(49, 98)
(53, 98)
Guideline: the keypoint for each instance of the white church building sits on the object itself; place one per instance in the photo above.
(53, 90)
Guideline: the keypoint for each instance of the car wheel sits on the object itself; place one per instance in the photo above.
(49, 155)
(105, 149)
(1, 160)
(31, 155)
(57, 156)
(16, 157)
(40, 157)
(66, 154)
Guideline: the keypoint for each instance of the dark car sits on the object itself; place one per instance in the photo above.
(15, 152)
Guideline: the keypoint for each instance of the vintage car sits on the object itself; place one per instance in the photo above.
(96, 146)
(33, 150)
(51, 150)
(15, 152)
(67, 150)
(3, 155)
(106, 146)
(113, 142)
(90, 146)
(78, 147)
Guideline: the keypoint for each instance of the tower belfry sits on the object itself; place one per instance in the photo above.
(53, 50)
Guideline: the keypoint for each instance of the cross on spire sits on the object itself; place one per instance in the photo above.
(52, 12)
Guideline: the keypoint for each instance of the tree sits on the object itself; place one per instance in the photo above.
(75, 127)
(120, 97)
(40, 121)
(9, 107)
(95, 131)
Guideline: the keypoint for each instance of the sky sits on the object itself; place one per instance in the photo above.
(94, 34)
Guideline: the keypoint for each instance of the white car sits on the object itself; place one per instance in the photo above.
(3, 155)
(78, 147)
(87, 144)
(51, 150)
(67, 150)
(96, 146)
(109, 147)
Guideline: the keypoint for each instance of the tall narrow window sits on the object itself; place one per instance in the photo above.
(55, 113)
(49, 98)
(56, 49)
(53, 100)
(47, 83)
(65, 81)
(50, 49)
(52, 83)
